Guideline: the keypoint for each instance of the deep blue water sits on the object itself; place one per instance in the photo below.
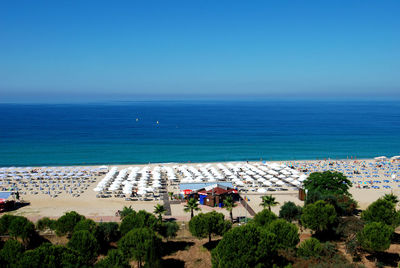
(195, 131)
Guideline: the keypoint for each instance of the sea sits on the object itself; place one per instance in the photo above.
(137, 132)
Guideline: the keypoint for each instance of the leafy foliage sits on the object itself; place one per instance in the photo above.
(107, 232)
(126, 211)
(310, 248)
(229, 204)
(5, 222)
(11, 252)
(375, 236)
(328, 183)
(287, 234)
(85, 225)
(138, 220)
(169, 229)
(318, 216)
(141, 244)
(85, 243)
(383, 211)
(290, 212)
(245, 246)
(191, 206)
(268, 201)
(264, 217)
(49, 256)
(391, 198)
(115, 259)
(46, 223)
(21, 227)
(159, 210)
(66, 223)
(204, 225)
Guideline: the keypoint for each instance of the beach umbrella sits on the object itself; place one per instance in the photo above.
(261, 191)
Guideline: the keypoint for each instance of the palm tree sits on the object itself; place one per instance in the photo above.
(391, 198)
(229, 204)
(191, 206)
(159, 210)
(268, 201)
(171, 194)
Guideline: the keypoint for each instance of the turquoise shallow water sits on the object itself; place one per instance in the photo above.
(68, 134)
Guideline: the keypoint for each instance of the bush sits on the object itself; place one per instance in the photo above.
(310, 248)
(141, 244)
(46, 223)
(84, 243)
(85, 225)
(114, 259)
(290, 212)
(66, 223)
(49, 256)
(107, 232)
(318, 216)
(382, 211)
(21, 227)
(264, 217)
(245, 246)
(11, 252)
(139, 219)
(287, 234)
(169, 229)
(375, 236)
(203, 225)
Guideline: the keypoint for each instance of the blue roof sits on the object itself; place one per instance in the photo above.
(5, 195)
(201, 185)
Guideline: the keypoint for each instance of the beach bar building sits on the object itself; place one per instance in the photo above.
(210, 194)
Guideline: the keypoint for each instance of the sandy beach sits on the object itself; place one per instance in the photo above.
(104, 209)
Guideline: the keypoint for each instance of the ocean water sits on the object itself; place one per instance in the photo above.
(187, 131)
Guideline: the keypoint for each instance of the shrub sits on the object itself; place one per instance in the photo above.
(382, 211)
(375, 236)
(114, 259)
(140, 219)
(290, 212)
(46, 223)
(264, 217)
(203, 225)
(310, 248)
(318, 216)
(84, 243)
(107, 232)
(169, 229)
(11, 252)
(66, 223)
(287, 234)
(141, 244)
(85, 225)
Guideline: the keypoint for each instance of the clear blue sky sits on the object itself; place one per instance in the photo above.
(72, 50)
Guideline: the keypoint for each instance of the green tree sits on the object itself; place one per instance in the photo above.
(5, 221)
(21, 227)
(49, 256)
(375, 236)
(126, 211)
(310, 248)
(268, 201)
(290, 212)
(86, 244)
(115, 259)
(391, 198)
(169, 229)
(229, 204)
(318, 216)
(328, 183)
(138, 220)
(141, 244)
(383, 211)
(11, 252)
(191, 206)
(65, 224)
(85, 225)
(287, 234)
(204, 225)
(245, 246)
(264, 217)
(107, 232)
(159, 210)
(46, 223)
